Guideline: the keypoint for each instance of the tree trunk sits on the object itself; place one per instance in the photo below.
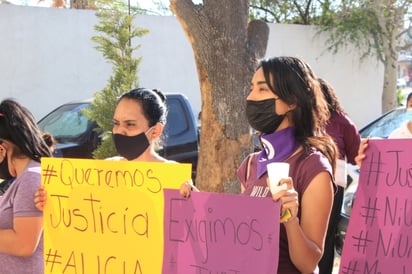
(389, 96)
(391, 21)
(225, 48)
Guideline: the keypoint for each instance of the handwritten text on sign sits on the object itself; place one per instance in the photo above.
(220, 233)
(379, 236)
(106, 216)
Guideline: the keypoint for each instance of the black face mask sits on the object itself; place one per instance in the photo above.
(4, 169)
(130, 147)
(262, 115)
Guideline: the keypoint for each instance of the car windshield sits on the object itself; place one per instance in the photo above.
(383, 126)
(69, 115)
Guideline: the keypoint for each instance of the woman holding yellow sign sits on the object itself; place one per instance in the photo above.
(138, 122)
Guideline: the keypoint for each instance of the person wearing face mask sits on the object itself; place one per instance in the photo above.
(405, 130)
(21, 223)
(285, 105)
(138, 123)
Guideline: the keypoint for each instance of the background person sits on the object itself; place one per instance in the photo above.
(364, 143)
(21, 224)
(405, 129)
(286, 106)
(4, 170)
(347, 139)
(5, 177)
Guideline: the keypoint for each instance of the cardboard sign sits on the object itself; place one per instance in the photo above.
(220, 233)
(106, 216)
(379, 235)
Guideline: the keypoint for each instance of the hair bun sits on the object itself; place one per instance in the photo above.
(160, 94)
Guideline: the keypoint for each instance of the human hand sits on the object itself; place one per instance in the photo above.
(361, 152)
(187, 187)
(40, 198)
(289, 200)
(185, 190)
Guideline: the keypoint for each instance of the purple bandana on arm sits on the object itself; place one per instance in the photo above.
(277, 147)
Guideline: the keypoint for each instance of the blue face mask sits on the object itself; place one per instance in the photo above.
(408, 115)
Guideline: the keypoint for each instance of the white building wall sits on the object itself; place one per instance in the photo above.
(358, 84)
(47, 58)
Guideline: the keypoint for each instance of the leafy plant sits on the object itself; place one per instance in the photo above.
(115, 43)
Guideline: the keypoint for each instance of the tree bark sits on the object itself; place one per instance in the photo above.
(389, 95)
(391, 25)
(226, 48)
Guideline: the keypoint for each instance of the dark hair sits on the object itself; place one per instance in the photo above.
(295, 83)
(18, 126)
(330, 97)
(408, 98)
(153, 104)
(49, 139)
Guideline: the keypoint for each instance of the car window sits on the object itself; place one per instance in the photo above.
(383, 127)
(176, 120)
(75, 123)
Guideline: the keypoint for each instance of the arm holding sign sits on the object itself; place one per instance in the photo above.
(40, 198)
(361, 153)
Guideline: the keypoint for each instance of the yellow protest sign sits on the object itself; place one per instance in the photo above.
(106, 216)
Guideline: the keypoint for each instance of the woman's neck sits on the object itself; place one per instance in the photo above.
(150, 156)
(19, 164)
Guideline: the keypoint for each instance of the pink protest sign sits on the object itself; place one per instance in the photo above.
(379, 235)
(220, 233)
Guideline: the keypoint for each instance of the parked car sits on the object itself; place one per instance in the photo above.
(74, 133)
(76, 136)
(379, 128)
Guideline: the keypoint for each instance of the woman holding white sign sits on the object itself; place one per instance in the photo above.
(21, 224)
